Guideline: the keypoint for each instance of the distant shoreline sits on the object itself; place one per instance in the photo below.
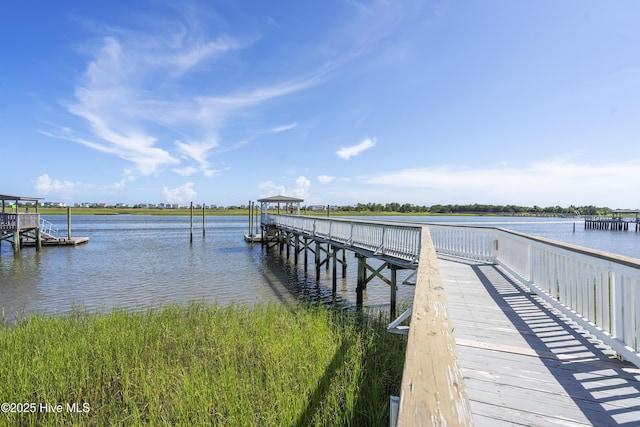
(245, 212)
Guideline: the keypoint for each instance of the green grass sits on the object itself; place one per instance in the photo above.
(268, 365)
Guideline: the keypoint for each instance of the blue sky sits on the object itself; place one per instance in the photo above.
(337, 102)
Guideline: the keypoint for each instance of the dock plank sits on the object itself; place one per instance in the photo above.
(524, 363)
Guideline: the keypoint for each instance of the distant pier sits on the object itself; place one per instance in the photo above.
(29, 229)
(620, 220)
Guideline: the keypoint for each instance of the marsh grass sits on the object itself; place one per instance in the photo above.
(268, 365)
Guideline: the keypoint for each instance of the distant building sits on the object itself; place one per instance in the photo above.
(54, 204)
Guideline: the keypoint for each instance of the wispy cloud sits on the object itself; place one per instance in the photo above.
(353, 150)
(325, 179)
(283, 128)
(138, 99)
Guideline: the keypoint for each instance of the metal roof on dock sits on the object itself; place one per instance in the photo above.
(19, 198)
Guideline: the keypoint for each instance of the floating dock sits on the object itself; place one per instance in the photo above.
(57, 241)
(256, 238)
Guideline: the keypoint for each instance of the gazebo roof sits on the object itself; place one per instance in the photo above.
(19, 198)
(280, 199)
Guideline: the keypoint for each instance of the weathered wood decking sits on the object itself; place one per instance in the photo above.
(524, 363)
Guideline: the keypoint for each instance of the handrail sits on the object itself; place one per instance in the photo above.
(598, 290)
(432, 390)
(47, 229)
(387, 239)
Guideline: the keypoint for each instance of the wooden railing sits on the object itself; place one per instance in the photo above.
(598, 290)
(12, 221)
(432, 391)
(385, 239)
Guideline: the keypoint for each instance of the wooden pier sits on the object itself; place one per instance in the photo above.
(621, 220)
(29, 229)
(506, 328)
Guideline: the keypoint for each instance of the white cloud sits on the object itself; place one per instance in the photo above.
(121, 185)
(186, 171)
(196, 150)
(270, 188)
(63, 189)
(544, 183)
(300, 189)
(184, 193)
(283, 128)
(354, 150)
(326, 179)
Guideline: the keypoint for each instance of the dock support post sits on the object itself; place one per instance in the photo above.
(288, 242)
(394, 288)
(306, 257)
(334, 278)
(16, 241)
(250, 218)
(344, 263)
(328, 256)
(38, 239)
(361, 284)
(295, 251)
(204, 216)
(68, 222)
(317, 259)
(191, 224)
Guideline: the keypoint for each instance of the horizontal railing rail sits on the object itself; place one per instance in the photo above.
(386, 239)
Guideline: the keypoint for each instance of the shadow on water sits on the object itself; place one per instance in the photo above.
(290, 283)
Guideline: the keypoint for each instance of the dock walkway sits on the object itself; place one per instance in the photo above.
(524, 363)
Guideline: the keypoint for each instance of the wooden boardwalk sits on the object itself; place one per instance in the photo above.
(526, 364)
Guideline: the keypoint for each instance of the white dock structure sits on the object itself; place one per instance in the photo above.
(506, 328)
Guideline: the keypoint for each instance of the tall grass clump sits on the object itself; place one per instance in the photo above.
(268, 365)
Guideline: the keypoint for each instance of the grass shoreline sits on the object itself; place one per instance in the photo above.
(201, 365)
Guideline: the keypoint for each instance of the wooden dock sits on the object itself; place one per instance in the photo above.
(620, 220)
(30, 229)
(524, 363)
(57, 241)
(506, 328)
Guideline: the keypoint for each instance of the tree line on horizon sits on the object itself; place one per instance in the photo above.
(476, 208)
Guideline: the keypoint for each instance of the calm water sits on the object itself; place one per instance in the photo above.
(144, 261)
(134, 261)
